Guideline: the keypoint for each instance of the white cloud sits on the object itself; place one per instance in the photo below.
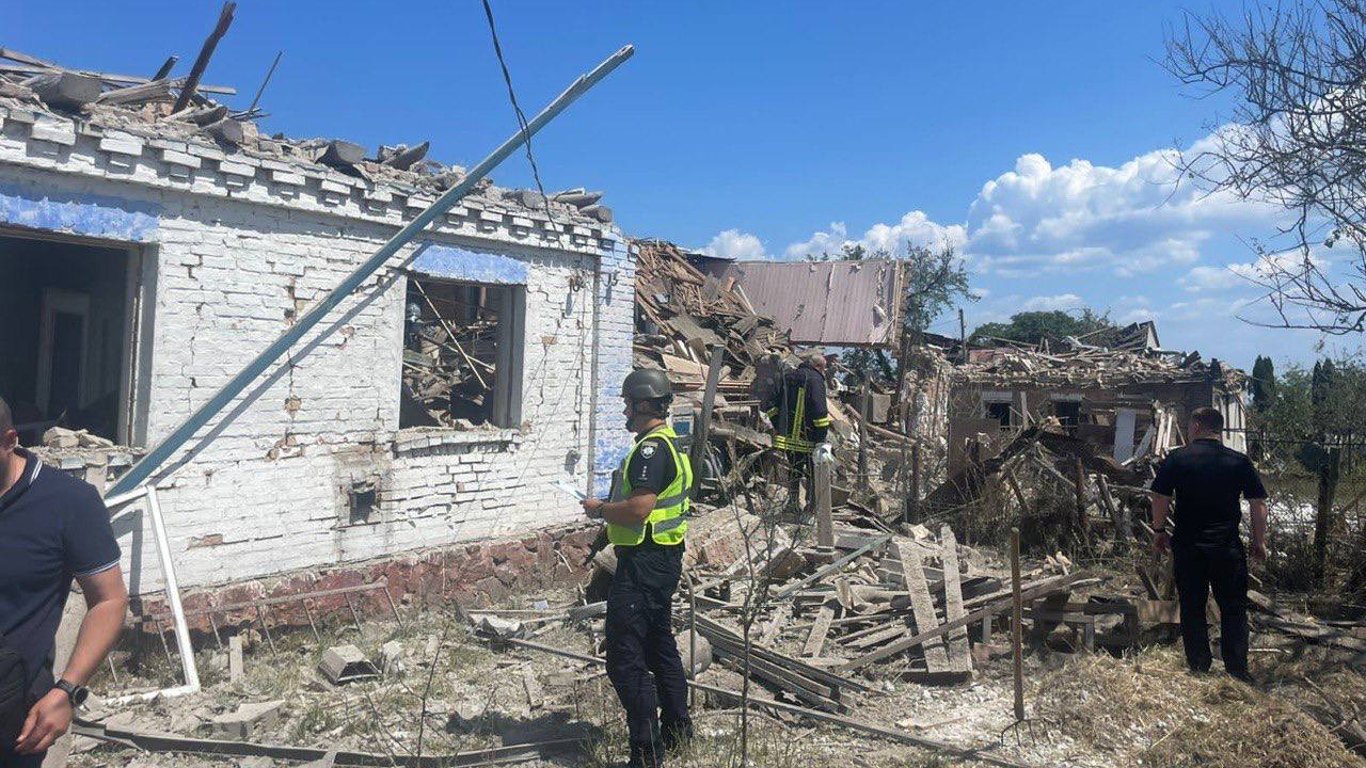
(1062, 302)
(915, 228)
(1204, 278)
(734, 244)
(1127, 220)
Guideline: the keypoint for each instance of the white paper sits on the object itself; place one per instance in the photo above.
(568, 487)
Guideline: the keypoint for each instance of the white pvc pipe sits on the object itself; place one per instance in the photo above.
(182, 629)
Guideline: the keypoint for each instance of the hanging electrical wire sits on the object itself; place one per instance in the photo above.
(516, 108)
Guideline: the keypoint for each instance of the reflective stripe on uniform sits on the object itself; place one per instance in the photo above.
(667, 520)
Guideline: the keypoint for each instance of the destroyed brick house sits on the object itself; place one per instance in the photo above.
(1116, 389)
(148, 256)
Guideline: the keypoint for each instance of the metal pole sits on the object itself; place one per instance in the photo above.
(1016, 617)
(182, 434)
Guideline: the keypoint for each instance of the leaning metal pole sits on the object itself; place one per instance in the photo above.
(182, 434)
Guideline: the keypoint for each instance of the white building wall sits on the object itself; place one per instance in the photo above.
(236, 249)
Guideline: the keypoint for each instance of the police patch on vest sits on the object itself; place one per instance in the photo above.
(647, 450)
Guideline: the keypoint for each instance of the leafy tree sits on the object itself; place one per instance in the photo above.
(1263, 384)
(1033, 327)
(1322, 382)
(1310, 404)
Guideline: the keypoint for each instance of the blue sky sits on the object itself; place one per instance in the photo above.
(1036, 137)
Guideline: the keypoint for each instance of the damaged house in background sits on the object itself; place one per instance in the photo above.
(1115, 389)
(152, 249)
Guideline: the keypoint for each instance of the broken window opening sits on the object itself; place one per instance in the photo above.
(999, 411)
(462, 354)
(68, 309)
(362, 499)
(1068, 413)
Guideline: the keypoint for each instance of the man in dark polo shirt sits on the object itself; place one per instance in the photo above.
(53, 528)
(1207, 481)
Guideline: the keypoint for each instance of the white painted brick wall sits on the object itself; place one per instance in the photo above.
(233, 265)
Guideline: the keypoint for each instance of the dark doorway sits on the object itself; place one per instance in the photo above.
(1068, 413)
(64, 316)
(999, 411)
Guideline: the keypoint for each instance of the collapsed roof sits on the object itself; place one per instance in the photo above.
(147, 108)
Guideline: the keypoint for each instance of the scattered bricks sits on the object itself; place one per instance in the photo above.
(703, 660)
(496, 627)
(345, 663)
(391, 657)
(248, 719)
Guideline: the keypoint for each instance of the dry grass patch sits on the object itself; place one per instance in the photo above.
(1149, 711)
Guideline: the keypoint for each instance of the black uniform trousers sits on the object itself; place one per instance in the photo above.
(642, 658)
(1222, 569)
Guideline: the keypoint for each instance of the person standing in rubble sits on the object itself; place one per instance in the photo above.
(1206, 479)
(801, 419)
(646, 521)
(53, 529)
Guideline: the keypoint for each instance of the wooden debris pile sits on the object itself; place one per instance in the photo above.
(682, 313)
(448, 365)
(1019, 365)
(161, 105)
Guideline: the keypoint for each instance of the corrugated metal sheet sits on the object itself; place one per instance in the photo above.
(840, 303)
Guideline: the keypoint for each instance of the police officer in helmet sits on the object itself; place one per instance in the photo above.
(646, 522)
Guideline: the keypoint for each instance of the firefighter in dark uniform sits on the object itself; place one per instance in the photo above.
(800, 418)
(646, 521)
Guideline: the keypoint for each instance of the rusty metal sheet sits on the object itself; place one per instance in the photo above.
(840, 303)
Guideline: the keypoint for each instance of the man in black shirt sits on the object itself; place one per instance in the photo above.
(53, 529)
(1207, 479)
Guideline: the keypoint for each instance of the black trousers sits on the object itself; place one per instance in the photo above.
(642, 658)
(1224, 571)
(799, 470)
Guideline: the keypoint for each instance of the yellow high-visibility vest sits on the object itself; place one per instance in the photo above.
(667, 520)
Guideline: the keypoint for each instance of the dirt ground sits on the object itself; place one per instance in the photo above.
(1092, 710)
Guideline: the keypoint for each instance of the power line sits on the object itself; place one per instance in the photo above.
(512, 96)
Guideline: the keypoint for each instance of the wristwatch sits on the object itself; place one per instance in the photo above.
(77, 694)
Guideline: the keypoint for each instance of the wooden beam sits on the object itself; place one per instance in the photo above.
(166, 66)
(990, 609)
(875, 543)
(922, 605)
(65, 90)
(815, 642)
(142, 92)
(109, 77)
(960, 656)
(756, 702)
(205, 53)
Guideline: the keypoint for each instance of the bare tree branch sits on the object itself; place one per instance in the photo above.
(1296, 138)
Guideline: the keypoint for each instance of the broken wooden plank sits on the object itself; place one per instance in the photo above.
(922, 605)
(815, 642)
(156, 89)
(756, 702)
(990, 609)
(205, 53)
(65, 90)
(535, 695)
(876, 543)
(960, 656)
